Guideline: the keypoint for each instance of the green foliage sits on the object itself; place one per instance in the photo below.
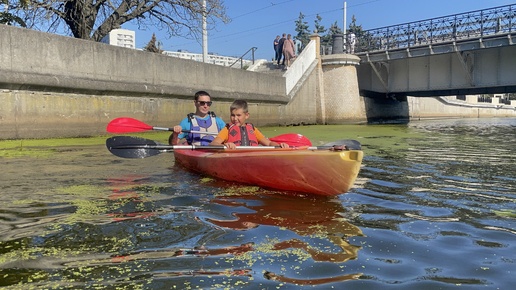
(151, 46)
(334, 29)
(327, 40)
(303, 34)
(363, 38)
(318, 27)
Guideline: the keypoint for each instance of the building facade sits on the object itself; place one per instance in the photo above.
(121, 37)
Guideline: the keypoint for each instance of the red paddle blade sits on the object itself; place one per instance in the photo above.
(292, 139)
(127, 125)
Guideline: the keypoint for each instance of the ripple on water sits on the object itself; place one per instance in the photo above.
(433, 207)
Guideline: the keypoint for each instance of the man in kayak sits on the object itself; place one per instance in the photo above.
(202, 120)
(240, 133)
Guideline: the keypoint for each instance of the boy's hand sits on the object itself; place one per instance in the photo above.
(230, 145)
(282, 145)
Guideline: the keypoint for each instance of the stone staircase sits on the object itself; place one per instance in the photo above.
(264, 66)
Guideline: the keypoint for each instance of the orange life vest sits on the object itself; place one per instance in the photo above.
(242, 136)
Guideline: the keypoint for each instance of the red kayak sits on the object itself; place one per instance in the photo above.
(308, 169)
(329, 169)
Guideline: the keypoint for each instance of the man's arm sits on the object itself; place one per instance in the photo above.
(173, 139)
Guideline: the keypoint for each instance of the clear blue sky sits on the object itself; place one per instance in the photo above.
(257, 22)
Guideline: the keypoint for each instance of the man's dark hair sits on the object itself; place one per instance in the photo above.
(201, 93)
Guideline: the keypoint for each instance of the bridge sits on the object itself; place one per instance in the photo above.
(461, 54)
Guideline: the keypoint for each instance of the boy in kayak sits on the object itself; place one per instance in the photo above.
(202, 120)
(240, 133)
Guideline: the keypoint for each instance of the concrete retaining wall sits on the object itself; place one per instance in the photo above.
(32, 60)
(55, 86)
(446, 107)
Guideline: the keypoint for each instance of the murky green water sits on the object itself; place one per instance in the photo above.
(433, 208)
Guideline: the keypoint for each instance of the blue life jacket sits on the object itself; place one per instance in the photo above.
(198, 124)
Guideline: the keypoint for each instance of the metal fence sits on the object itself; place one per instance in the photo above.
(475, 24)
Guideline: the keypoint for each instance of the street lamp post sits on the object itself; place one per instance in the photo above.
(345, 20)
(204, 33)
(344, 26)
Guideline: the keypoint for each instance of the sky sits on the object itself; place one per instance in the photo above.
(255, 23)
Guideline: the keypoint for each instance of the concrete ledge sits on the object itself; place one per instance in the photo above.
(340, 59)
(494, 105)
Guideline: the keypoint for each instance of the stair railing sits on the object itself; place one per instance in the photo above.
(241, 59)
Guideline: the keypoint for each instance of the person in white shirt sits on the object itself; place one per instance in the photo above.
(351, 42)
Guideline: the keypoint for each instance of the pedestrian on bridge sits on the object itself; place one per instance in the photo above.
(280, 48)
(288, 50)
(276, 43)
(351, 42)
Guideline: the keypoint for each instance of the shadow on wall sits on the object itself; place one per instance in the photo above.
(390, 108)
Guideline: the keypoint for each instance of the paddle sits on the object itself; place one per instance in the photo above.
(130, 125)
(136, 147)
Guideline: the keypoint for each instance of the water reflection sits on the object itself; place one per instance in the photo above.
(311, 228)
(280, 232)
(436, 200)
(156, 233)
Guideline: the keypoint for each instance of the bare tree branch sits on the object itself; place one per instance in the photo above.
(94, 19)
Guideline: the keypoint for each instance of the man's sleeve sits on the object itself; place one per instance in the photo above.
(220, 123)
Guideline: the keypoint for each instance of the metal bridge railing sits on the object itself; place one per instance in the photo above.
(475, 24)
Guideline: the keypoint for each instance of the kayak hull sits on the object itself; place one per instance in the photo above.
(320, 172)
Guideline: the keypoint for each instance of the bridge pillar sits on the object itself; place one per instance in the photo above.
(342, 101)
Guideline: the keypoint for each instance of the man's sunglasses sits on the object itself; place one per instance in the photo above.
(202, 103)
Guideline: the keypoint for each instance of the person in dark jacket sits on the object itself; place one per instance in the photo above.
(280, 48)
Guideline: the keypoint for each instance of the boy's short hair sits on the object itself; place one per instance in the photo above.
(201, 93)
(238, 104)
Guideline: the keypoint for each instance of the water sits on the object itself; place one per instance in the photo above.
(433, 208)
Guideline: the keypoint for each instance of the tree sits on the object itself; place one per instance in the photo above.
(94, 19)
(363, 38)
(151, 46)
(327, 40)
(318, 27)
(8, 18)
(303, 34)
